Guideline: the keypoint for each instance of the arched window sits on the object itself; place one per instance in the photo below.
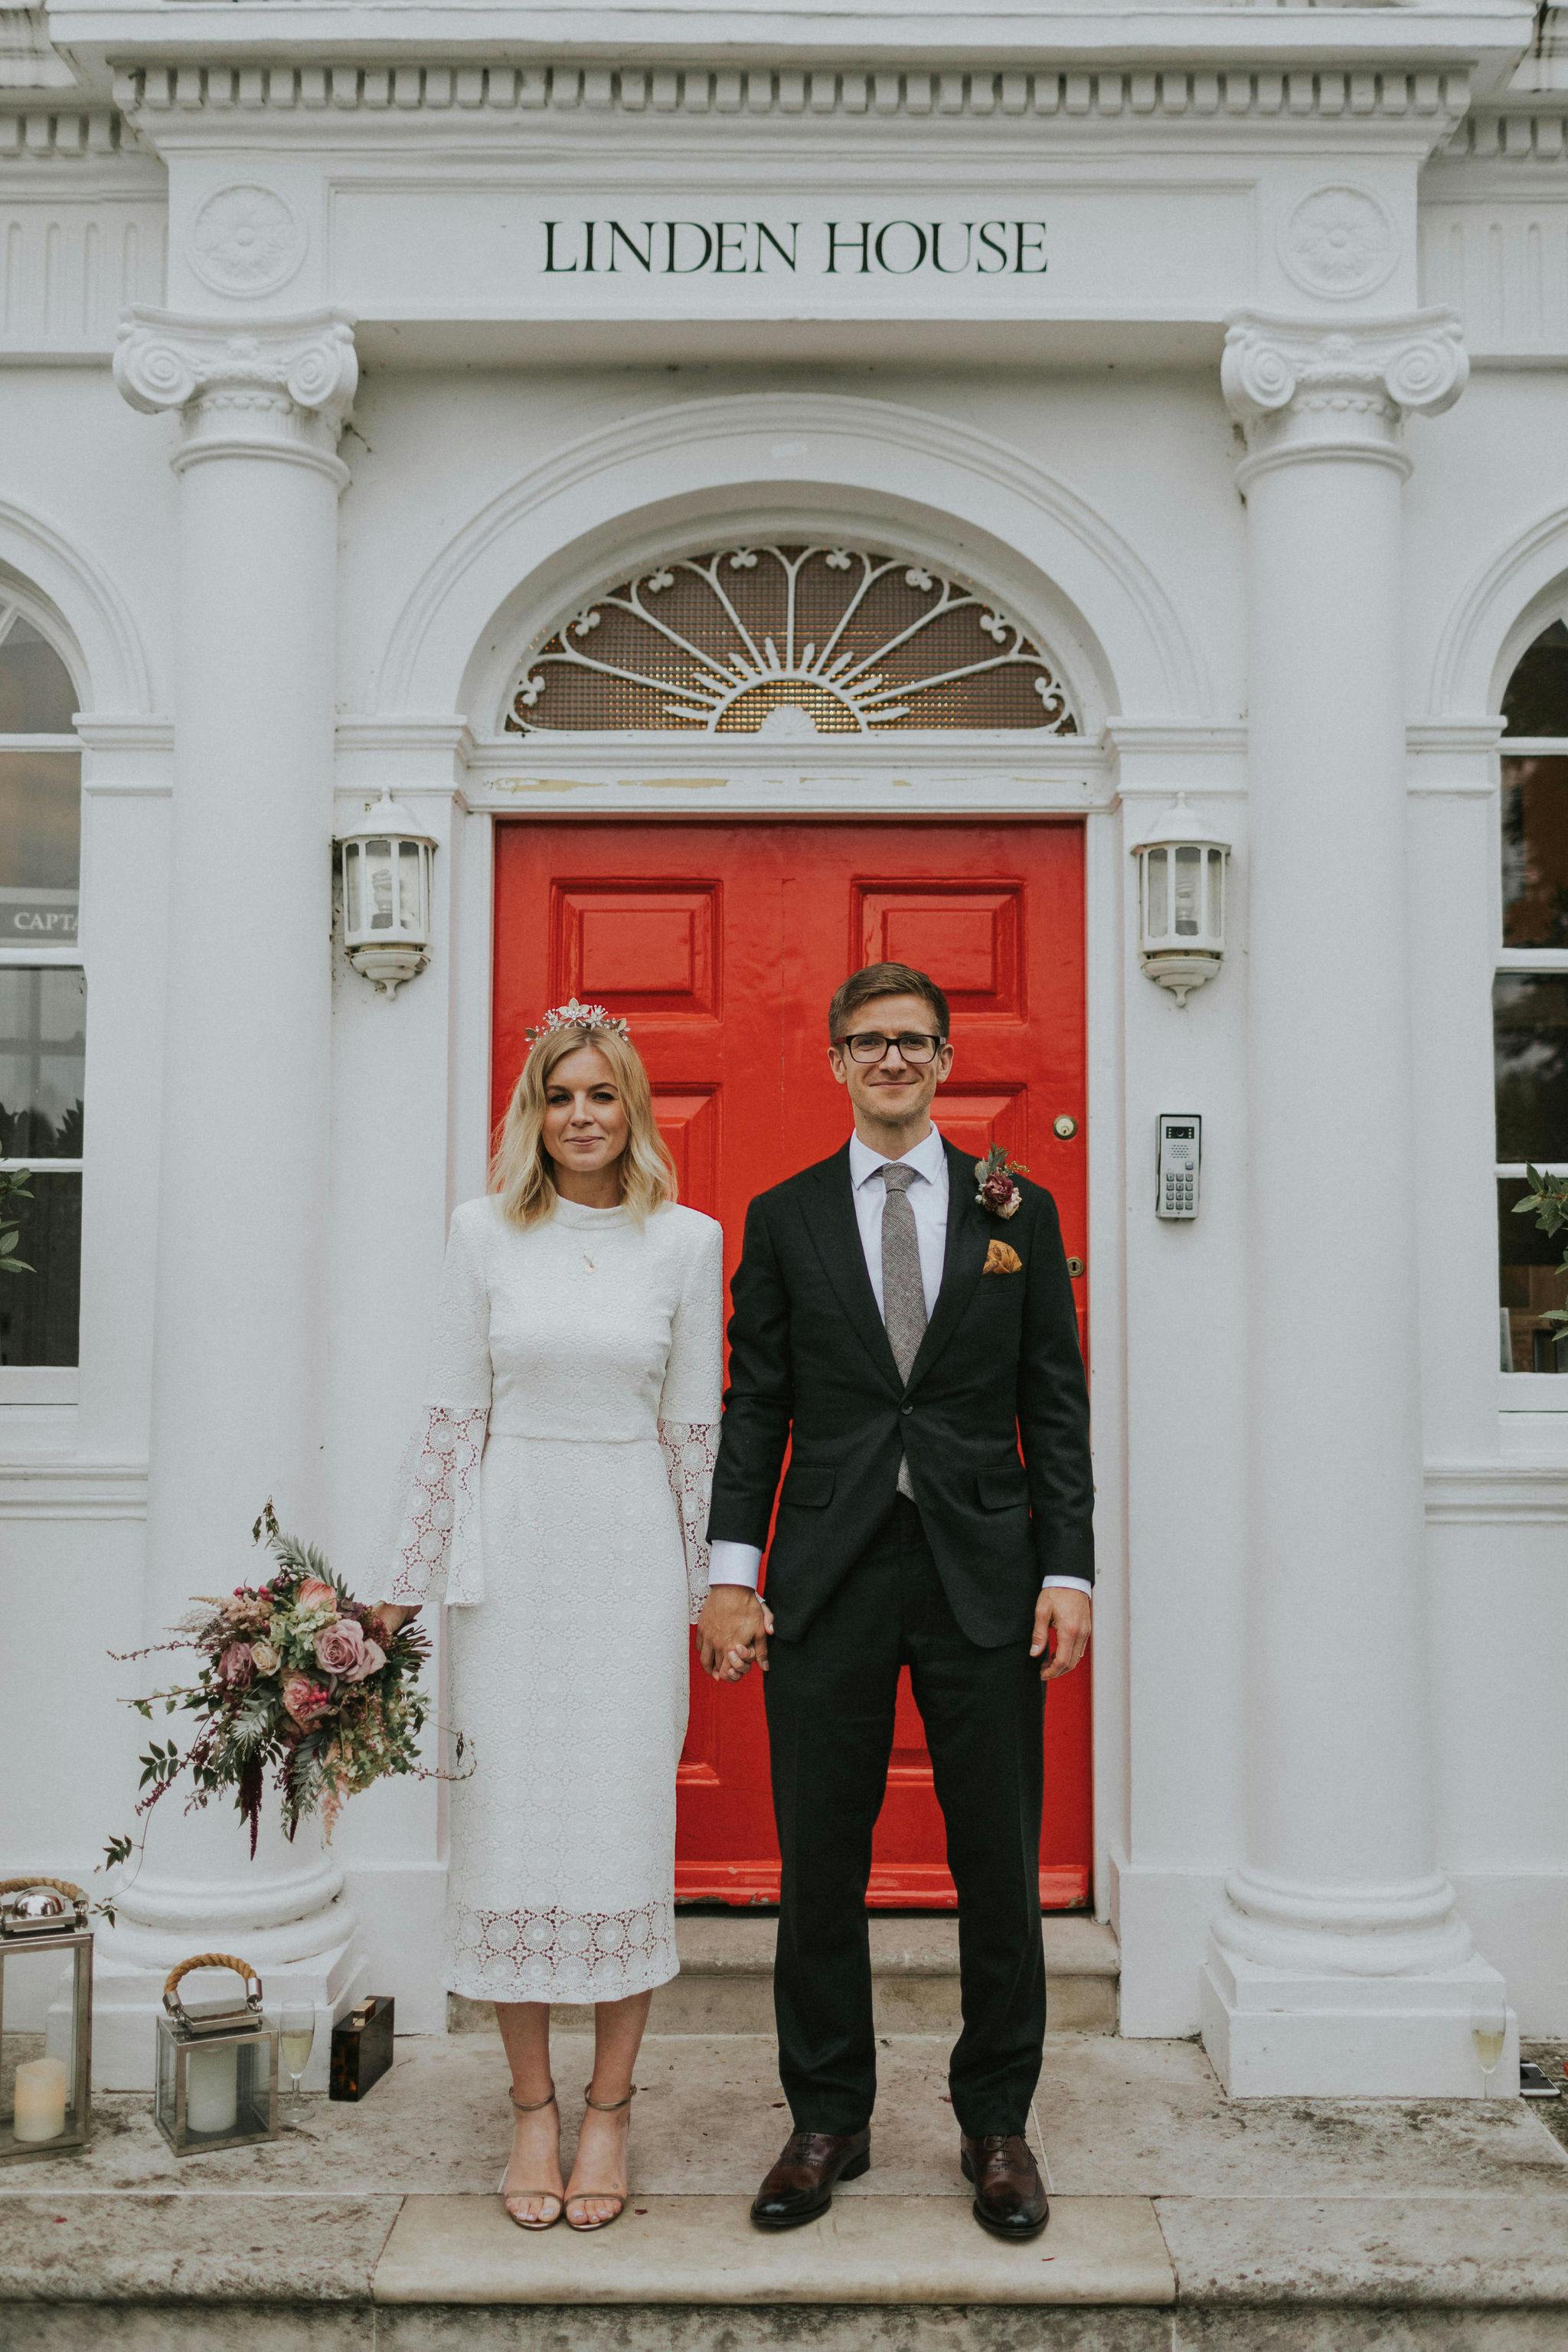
(788, 642)
(1529, 995)
(42, 1000)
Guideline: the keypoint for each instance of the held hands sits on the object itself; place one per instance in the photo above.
(732, 1632)
(1072, 1616)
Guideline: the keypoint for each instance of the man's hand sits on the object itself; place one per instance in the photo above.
(732, 1632)
(1072, 1614)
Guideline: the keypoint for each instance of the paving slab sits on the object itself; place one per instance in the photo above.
(1398, 2251)
(1128, 2118)
(703, 2250)
(206, 2249)
(709, 2120)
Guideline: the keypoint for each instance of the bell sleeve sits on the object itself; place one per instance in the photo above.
(436, 1547)
(688, 1402)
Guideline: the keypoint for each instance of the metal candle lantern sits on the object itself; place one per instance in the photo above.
(46, 1978)
(218, 2065)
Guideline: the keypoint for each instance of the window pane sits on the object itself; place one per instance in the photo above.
(41, 1056)
(37, 697)
(1536, 702)
(39, 1311)
(1535, 852)
(40, 846)
(1530, 1281)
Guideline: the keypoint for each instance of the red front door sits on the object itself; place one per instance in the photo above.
(722, 944)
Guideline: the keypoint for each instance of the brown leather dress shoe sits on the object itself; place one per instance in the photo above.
(801, 2182)
(1010, 2198)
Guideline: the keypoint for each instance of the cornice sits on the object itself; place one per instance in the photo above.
(1534, 132)
(1422, 98)
(68, 135)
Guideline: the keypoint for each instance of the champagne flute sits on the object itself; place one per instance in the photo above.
(296, 2036)
(1488, 2029)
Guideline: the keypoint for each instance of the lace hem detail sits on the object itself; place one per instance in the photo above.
(560, 1954)
(440, 1514)
(690, 1451)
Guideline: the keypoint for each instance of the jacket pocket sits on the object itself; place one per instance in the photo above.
(1003, 1490)
(809, 1489)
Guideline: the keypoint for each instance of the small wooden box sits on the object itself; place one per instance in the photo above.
(362, 2047)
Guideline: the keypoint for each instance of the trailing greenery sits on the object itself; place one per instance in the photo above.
(1547, 1202)
(13, 1186)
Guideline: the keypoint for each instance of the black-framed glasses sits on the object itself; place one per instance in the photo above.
(869, 1046)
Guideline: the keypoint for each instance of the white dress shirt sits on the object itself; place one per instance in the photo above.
(741, 1563)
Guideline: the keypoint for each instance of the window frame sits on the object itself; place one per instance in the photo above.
(1524, 1391)
(35, 1384)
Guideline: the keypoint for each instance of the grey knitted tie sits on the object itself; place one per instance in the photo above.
(903, 1292)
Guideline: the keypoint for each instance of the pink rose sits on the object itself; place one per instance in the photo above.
(371, 1663)
(340, 1648)
(314, 1594)
(306, 1701)
(236, 1666)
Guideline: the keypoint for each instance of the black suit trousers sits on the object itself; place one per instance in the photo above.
(831, 1701)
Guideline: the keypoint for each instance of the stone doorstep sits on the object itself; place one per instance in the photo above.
(703, 2250)
(726, 1985)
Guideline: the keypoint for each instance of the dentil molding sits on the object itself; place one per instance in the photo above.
(278, 387)
(1302, 389)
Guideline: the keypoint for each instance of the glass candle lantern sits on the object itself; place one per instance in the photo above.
(387, 894)
(1182, 868)
(218, 2065)
(45, 2018)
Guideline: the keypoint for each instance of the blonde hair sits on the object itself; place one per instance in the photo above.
(520, 1168)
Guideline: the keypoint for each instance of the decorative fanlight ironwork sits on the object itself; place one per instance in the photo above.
(789, 642)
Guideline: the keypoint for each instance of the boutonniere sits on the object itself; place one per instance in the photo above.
(999, 1196)
(1000, 1259)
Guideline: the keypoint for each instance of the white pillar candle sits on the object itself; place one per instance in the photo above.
(211, 2089)
(41, 2087)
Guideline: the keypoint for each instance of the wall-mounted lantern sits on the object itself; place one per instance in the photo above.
(386, 859)
(1181, 898)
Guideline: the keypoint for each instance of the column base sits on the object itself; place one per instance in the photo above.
(1284, 2032)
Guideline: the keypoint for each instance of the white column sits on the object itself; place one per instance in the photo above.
(1338, 1964)
(240, 1323)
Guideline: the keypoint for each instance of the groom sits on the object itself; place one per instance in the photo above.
(900, 1339)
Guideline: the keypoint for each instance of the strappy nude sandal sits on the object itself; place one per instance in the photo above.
(582, 2196)
(545, 2222)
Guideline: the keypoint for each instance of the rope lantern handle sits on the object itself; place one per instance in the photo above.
(242, 1968)
(60, 1886)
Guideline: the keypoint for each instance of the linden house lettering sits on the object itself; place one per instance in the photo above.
(891, 248)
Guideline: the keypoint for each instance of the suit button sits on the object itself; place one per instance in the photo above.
(909, 1407)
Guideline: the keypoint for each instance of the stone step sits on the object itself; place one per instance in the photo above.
(726, 1985)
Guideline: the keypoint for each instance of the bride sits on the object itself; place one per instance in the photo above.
(560, 1493)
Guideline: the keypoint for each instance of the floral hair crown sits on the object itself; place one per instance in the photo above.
(574, 1015)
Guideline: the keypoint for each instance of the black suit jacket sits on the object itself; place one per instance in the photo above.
(811, 1370)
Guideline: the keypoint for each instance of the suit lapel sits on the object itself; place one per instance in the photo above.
(968, 1239)
(836, 1237)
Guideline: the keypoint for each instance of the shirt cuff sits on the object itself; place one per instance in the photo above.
(1067, 1584)
(735, 1563)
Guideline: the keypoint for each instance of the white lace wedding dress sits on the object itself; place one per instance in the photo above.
(560, 1493)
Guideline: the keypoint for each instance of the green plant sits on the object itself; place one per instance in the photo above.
(13, 1187)
(1547, 1202)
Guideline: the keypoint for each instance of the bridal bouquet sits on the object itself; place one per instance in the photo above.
(298, 1678)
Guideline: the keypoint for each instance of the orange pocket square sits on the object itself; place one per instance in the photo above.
(1000, 1259)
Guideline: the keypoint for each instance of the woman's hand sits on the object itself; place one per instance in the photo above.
(391, 1614)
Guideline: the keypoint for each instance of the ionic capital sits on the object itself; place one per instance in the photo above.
(274, 387)
(1299, 389)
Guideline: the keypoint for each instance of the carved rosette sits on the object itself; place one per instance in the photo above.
(1302, 390)
(277, 386)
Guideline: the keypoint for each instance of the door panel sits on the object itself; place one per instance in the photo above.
(722, 944)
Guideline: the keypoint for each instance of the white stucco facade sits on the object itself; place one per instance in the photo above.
(304, 445)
